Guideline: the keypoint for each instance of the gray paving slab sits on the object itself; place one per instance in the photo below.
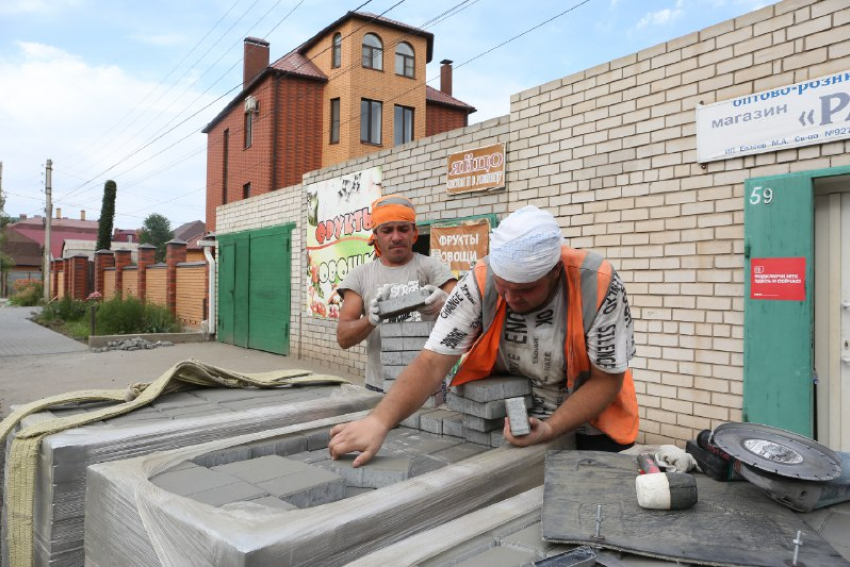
(486, 410)
(21, 337)
(192, 480)
(379, 472)
(518, 416)
(398, 358)
(433, 422)
(403, 303)
(391, 372)
(407, 329)
(236, 492)
(453, 425)
(499, 557)
(401, 344)
(459, 452)
(311, 488)
(480, 424)
(495, 388)
(273, 502)
(263, 469)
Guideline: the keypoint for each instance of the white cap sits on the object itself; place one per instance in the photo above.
(526, 245)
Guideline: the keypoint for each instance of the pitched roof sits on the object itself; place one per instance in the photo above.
(24, 251)
(294, 63)
(60, 229)
(434, 96)
(190, 233)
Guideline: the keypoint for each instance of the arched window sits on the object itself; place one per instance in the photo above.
(373, 52)
(336, 58)
(405, 61)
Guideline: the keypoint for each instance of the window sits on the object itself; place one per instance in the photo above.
(336, 57)
(334, 121)
(246, 190)
(373, 52)
(404, 60)
(403, 125)
(226, 145)
(249, 129)
(370, 121)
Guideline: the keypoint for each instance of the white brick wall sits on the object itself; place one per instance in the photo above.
(611, 151)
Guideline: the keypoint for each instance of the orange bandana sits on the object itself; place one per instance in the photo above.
(390, 208)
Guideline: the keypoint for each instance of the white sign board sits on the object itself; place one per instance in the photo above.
(804, 114)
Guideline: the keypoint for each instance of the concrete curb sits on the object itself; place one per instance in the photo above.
(98, 341)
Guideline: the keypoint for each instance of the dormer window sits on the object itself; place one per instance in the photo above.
(405, 60)
(336, 57)
(373, 52)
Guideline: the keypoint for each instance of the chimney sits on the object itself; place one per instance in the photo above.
(58, 212)
(22, 217)
(446, 76)
(256, 59)
(82, 215)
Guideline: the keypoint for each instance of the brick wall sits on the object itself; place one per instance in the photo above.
(191, 292)
(444, 118)
(156, 276)
(60, 281)
(108, 283)
(130, 282)
(611, 151)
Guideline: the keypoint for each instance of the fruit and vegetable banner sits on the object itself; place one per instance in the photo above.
(339, 223)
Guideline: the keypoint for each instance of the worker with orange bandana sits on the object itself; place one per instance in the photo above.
(397, 270)
(535, 308)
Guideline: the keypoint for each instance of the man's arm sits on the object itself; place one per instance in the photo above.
(352, 328)
(583, 405)
(413, 386)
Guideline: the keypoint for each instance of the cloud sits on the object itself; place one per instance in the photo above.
(661, 17)
(53, 104)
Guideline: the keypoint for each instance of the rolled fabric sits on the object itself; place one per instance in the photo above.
(526, 245)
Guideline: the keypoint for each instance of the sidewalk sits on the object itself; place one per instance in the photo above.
(28, 377)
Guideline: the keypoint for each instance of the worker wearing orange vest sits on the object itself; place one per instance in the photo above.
(535, 308)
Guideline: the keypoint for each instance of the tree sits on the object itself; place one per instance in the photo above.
(156, 230)
(107, 216)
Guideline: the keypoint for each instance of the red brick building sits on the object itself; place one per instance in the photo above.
(356, 87)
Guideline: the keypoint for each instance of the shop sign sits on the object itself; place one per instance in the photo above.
(778, 279)
(339, 223)
(460, 246)
(475, 170)
(812, 112)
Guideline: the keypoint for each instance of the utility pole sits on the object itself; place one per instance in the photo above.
(2, 274)
(48, 214)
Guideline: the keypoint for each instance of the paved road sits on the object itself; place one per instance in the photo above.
(20, 336)
(34, 365)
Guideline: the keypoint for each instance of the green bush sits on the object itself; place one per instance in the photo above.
(26, 293)
(129, 316)
(66, 309)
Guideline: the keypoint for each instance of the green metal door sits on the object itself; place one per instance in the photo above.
(255, 289)
(778, 358)
(271, 290)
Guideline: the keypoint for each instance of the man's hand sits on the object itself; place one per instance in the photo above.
(434, 302)
(365, 435)
(374, 311)
(541, 432)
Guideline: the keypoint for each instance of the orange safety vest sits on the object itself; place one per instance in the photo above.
(587, 278)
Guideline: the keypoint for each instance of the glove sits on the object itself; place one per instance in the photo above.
(673, 459)
(374, 311)
(434, 302)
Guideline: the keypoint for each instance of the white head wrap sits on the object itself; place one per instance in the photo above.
(525, 246)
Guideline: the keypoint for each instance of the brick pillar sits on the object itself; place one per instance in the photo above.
(54, 278)
(66, 281)
(102, 259)
(175, 254)
(80, 286)
(122, 260)
(147, 257)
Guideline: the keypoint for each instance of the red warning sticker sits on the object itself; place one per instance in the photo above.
(778, 278)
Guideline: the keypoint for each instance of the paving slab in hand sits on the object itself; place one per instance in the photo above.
(495, 388)
(486, 410)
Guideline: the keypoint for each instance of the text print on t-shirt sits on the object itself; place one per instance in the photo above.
(606, 335)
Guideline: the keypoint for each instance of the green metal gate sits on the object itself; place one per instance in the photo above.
(255, 288)
(779, 334)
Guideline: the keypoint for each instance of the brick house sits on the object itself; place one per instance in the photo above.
(356, 87)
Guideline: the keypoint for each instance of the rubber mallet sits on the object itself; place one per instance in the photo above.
(657, 490)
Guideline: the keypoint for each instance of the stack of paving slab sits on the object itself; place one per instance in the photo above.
(400, 344)
(474, 411)
(174, 420)
(285, 502)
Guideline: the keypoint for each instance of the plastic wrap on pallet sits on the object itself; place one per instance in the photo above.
(131, 518)
(61, 472)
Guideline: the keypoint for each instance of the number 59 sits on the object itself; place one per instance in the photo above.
(761, 195)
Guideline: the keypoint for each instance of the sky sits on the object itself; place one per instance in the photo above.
(122, 89)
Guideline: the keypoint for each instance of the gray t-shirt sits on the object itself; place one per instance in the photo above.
(365, 281)
(532, 344)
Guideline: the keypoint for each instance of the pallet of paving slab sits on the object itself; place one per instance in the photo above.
(174, 420)
(188, 532)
